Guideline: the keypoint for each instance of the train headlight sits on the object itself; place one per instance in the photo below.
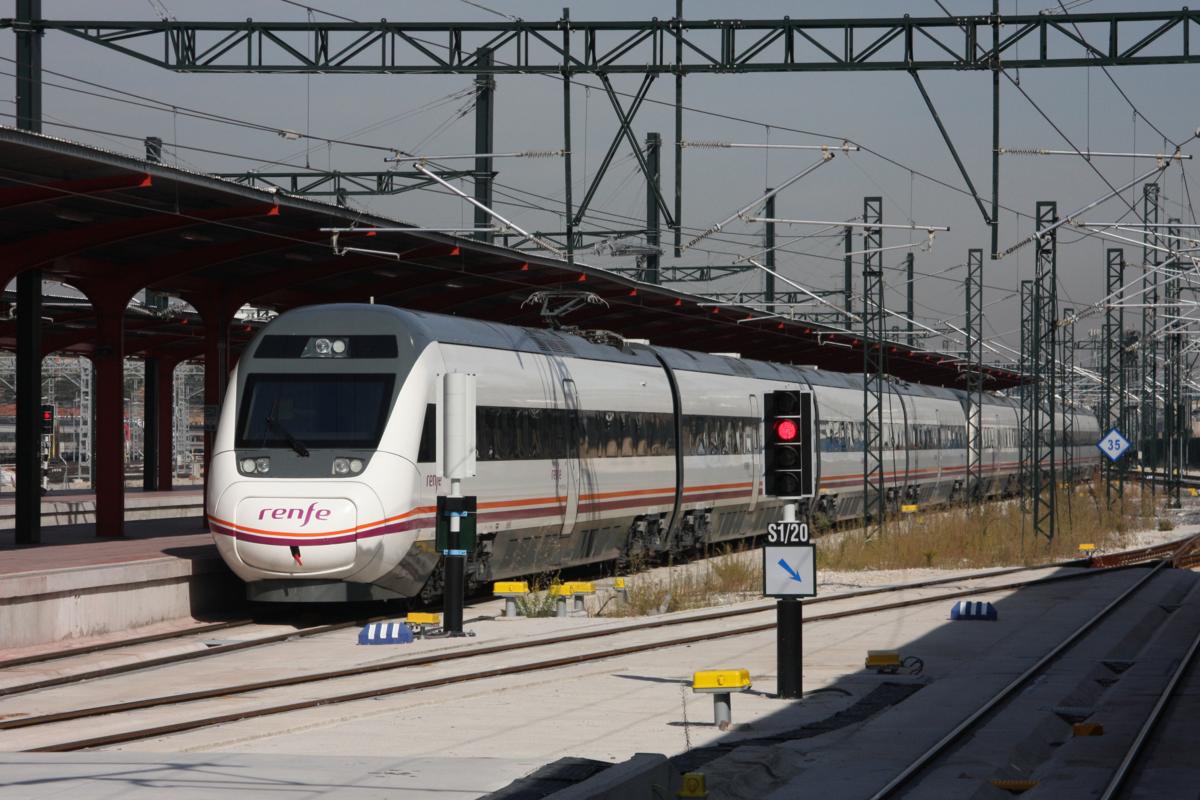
(262, 464)
(338, 346)
(323, 347)
(356, 465)
(248, 465)
(341, 466)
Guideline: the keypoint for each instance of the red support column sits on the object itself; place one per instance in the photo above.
(217, 314)
(166, 424)
(109, 466)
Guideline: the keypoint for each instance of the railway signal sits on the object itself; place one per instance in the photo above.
(788, 454)
(47, 419)
(789, 571)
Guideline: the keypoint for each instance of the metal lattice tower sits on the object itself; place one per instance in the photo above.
(769, 246)
(873, 352)
(1148, 432)
(974, 329)
(1025, 432)
(1067, 389)
(1045, 305)
(1174, 419)
(84, 442)
(1113, 408)
(911, 305)
(848, 273)
(653, 217)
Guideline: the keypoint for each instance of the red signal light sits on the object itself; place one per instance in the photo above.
(786, 430)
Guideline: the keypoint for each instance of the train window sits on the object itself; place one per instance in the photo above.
(625, 435)
(314, 410)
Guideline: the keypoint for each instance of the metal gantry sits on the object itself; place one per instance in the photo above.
(873, 327)
(715, 46)
(334, 183)
(974, 374)
(1042, 357)
(566, 48)
(1113, 408)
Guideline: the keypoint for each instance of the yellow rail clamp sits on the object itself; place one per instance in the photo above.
(1087, 547)
(883, 660)
(505, 588)
(908, 508)
(618, 583)
(1087, 729)
(423, 618)
(561, 590)
(1016, 785)
(721, 680)
(693, 787)
(580, 587)
(1193, 491)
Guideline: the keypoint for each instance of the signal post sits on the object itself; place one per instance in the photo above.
(456, 458)
(789, 559)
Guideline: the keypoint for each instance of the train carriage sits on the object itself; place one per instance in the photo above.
(323, 480)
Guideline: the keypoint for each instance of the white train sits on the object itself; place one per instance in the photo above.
(322, 484)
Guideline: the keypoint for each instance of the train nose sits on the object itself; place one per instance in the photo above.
(297, 536)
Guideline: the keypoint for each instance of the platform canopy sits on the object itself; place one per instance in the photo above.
(111, 225)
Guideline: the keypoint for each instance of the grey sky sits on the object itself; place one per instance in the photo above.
(881, 110)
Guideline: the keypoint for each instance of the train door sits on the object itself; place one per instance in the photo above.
(905, 442)
(752, 444)
(892, 472)
(570, 465)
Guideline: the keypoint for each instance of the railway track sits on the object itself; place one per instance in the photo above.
(1139, 748)
(303, 630)
(160, 661)
(1132, 557)
(258, 700)
(1165, 556)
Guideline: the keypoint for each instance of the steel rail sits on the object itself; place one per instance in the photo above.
(1125, 769)
(534, 666)
(959, 731)
(174, 658)
(114, 645)
(236, 646)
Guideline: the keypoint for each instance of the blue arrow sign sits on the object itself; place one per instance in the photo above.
(788, 569)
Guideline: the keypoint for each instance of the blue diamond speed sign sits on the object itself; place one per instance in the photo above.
(1113, 445)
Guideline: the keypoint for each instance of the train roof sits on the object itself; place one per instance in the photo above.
(424, 327)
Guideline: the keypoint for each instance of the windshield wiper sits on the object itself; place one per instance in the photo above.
(292, 440)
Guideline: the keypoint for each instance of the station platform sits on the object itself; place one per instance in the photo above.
(75, 585)
(77, 506)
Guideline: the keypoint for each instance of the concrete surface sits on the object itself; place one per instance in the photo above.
(219, 776)
(72, 588)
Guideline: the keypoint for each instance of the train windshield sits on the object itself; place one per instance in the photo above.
(303, 411)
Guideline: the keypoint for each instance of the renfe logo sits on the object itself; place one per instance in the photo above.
(304, 514)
